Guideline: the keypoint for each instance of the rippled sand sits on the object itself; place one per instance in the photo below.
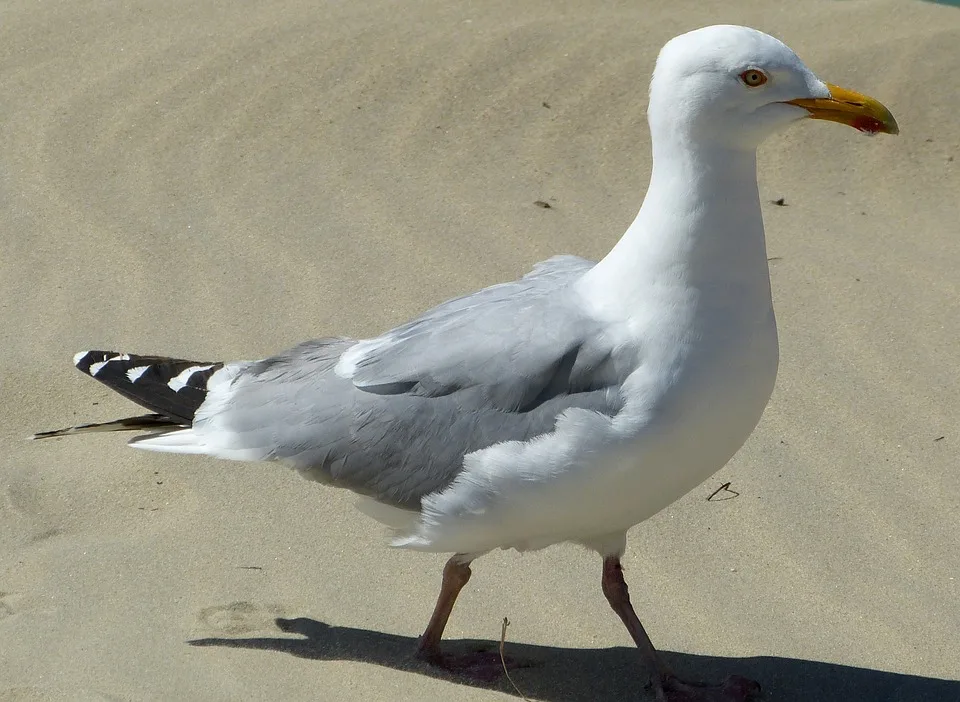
(222, 180)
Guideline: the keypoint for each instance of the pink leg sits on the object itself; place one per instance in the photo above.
(667, 686)
(456, 574)
(483, 665)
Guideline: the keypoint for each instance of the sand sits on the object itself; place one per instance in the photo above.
(222, 180)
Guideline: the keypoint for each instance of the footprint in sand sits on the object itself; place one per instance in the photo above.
(6, 604)
(240, 617)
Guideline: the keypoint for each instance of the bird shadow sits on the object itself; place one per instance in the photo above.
(604, 674)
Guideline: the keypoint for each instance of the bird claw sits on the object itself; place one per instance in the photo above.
(481, 665)
(735, 688)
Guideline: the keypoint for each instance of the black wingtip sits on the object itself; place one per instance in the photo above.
(173, 387)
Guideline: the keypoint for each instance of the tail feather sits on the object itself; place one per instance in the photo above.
(182, 441)
(145, 422)
(172, 387)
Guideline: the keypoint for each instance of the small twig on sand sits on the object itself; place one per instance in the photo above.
(503, 660)
(723, 488)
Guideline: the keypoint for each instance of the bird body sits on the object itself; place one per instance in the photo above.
(569, 405)
(695, 352)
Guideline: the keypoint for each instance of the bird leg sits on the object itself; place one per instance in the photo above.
(456, 574)
(666, 685)
(485, 665)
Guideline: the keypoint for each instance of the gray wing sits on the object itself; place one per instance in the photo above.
(499, 365)
(511, 339)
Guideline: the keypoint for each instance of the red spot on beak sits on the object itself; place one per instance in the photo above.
(868, 125)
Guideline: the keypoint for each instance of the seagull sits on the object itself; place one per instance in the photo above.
(566, 406)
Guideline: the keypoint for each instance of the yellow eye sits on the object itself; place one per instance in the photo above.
(753, 78)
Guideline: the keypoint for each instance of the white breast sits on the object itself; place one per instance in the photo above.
(596, 476)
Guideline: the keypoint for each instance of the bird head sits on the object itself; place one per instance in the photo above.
(734, 86)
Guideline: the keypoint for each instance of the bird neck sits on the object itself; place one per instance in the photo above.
(700, 228)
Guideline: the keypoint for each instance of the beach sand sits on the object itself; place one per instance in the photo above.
(223, 180)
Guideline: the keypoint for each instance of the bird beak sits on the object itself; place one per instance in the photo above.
(850, 108)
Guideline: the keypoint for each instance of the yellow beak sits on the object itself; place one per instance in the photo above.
(850, 108)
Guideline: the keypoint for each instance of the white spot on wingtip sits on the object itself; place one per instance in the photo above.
(97, 367)
(180, 381)
(79, 357)
(133, 374)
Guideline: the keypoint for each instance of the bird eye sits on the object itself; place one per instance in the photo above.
(753, 78)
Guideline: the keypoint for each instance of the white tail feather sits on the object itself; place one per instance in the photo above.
(183, 441)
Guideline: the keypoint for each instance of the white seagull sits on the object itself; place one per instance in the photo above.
(568, 405)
